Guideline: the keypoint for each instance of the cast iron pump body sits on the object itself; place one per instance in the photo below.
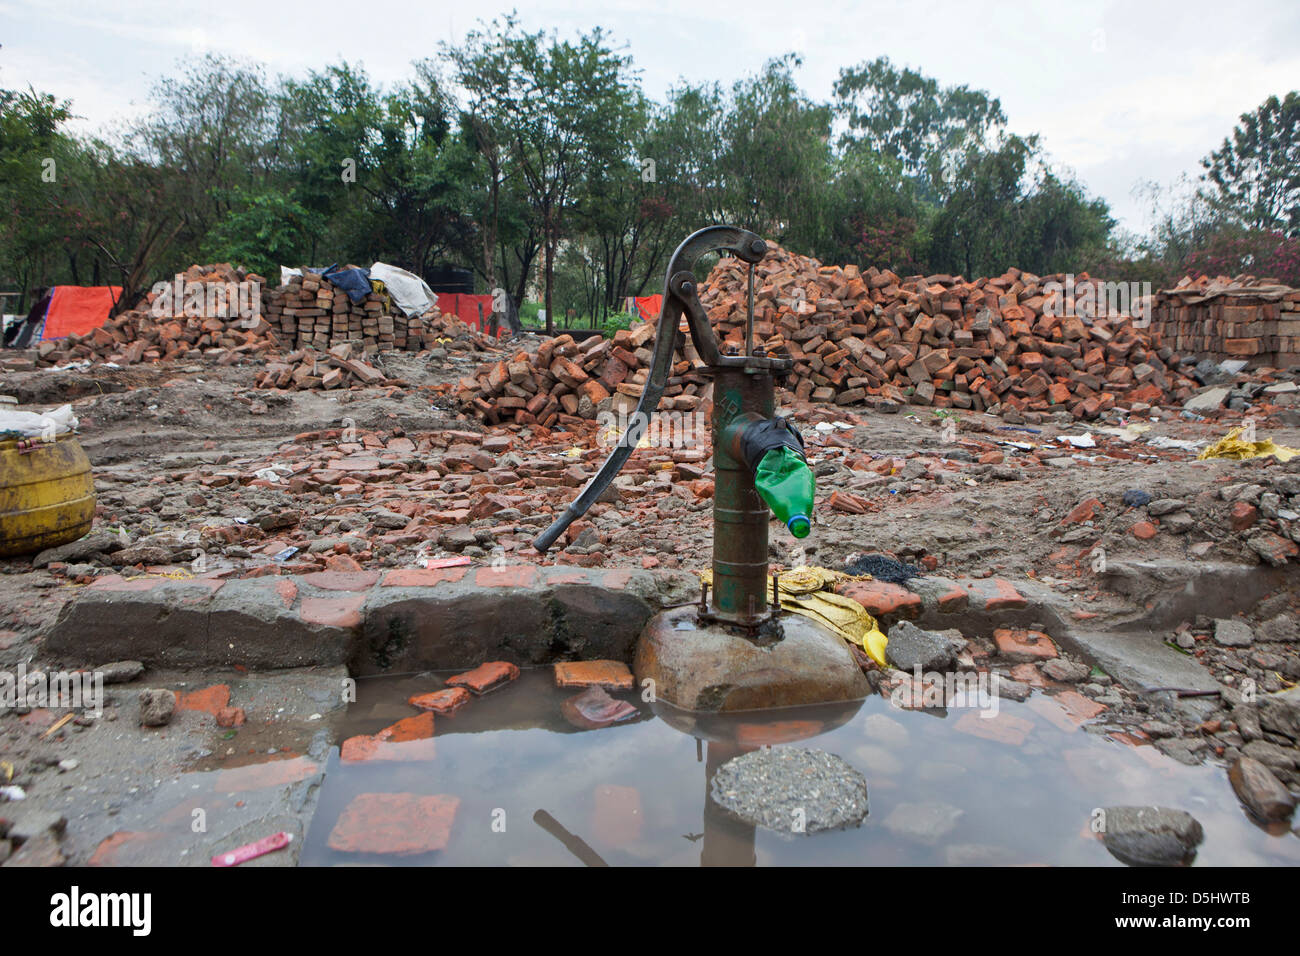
(743, 427)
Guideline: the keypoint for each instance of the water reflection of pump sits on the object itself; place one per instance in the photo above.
(727, 840)
(704, 656)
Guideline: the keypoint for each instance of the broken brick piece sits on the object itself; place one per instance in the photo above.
(1022, 645)
(446, 701)
(485, 677)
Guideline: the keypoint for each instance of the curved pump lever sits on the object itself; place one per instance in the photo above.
(679, 298)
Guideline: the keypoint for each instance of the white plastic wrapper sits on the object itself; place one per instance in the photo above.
(411, 293)
(38, 425)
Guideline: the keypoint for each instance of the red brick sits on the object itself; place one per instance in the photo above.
(1007, 597)
(1243, 515)
(333, 612)
(1085, 510)
(445, 701)
(209, 699)
(1143, 530)
(612, 675)
(485, 677)
(511, 576)
(882, 598)
(398, 824)
(422, 577)
(1017, 644)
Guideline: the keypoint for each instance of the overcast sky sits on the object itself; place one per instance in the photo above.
(1120, 91)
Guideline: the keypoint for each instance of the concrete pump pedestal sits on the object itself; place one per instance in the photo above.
(704, 666)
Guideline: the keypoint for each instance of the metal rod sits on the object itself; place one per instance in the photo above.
(749, 315)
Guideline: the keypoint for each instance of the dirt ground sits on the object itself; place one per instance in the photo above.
(180, 457)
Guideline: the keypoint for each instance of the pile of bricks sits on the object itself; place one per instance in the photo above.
(312, 313)
(567, 381)
(1003, 345)
(201, 317)
(1241, 317)
(337, 368)
(1007, 345)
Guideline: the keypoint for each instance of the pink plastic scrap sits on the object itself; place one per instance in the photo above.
(251, 851)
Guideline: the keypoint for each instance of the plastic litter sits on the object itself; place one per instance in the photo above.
(784, 480)
(882, 568)
(37, 425)
(807, 591)
(251, 851)
(1233, 447)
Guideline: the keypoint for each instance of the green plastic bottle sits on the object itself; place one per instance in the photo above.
(786, 483)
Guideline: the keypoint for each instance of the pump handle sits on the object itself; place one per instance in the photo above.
(679, 298)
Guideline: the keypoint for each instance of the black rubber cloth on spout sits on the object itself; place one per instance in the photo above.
(761, 437)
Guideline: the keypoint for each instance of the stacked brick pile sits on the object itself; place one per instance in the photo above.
(311, 312)
(992, 344)
(160, 329)
(1242, 317)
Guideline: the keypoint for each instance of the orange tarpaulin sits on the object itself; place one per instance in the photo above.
(649, 306)
(465, 307)
(76, 310)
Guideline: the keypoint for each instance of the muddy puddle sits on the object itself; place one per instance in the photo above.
(509, 781)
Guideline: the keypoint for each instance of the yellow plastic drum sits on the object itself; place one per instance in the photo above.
(47, 495)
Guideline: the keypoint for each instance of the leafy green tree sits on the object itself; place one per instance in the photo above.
(263, 232)
(907, 116)
(1256, 172)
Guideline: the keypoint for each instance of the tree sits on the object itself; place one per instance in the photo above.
(907, 116)
(1256, 172)
(569, 104)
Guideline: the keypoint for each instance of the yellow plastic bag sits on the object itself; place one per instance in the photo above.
(807, 591)
(1232, 446)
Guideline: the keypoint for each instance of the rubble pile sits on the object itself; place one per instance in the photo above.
(566, 382)
(1241, 317)
(211, 311)
(313, 313)
(1015, 342)
(337, 368)
(1010, 345)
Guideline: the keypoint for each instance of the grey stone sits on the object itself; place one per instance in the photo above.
(33, 823)
(156, 707)
(1207, 400)
(457, 539)
(1280, 629)
(1164, 506)
(1151, 836)
(121, 672)
(791, 790)
(1271, 755)
(1232, 632)
(1280, 712)
(911, 647)
(1067, 671)
(97, 542)
(1009, 689)
(1260, 790)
